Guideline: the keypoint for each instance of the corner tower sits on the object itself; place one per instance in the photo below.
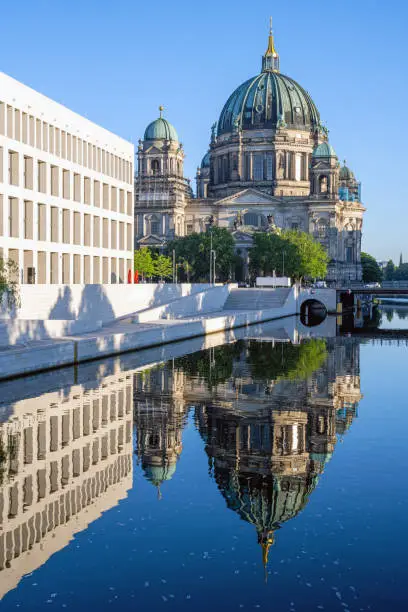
(161, 191)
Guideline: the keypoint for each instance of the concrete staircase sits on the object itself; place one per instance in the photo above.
(256, 299)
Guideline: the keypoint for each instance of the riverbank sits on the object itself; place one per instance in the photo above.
(119, 338)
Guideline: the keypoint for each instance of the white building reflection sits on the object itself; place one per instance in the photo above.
(66, 457)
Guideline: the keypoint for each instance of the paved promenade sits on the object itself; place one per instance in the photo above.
(120, 337)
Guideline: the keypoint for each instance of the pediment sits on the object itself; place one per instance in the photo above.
(321, 165)
(150, 241)
(248, 196)
(153, 150)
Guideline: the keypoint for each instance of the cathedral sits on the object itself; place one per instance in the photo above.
(269, 165)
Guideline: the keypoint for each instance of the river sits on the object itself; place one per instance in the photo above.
(260, 469)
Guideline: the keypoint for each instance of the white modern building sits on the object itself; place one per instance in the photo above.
(66, 192)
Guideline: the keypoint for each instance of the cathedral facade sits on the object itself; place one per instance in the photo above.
(269, 165)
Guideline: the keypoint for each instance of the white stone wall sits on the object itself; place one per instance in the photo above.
(95, 302)
(54, 158)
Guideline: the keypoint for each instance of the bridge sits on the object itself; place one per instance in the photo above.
(372, 290)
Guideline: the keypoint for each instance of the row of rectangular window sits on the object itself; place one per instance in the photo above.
(26, 128)
(62, 223)
(80, 188)
(66, 268)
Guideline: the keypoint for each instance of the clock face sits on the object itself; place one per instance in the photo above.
(259, 108)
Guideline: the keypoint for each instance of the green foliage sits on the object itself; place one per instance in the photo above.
(290, 253)
(286, 361)
(393, 272)
(389, 271)
(163, 267)
(372, 272)
(144, 262)
(401, 273)
(214, 366)
(9, 286)
(266, 361)
(193, 253)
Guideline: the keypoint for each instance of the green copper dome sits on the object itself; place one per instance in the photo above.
(205, 163)
(159, 473)
(345, 173)
(268, 100)
(160, 129)
(324, 150)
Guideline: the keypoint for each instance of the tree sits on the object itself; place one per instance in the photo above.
(163, 267)
(401, 273)
(286, 361)
(372, 272)
(9, 286)
(389, 271)
(290, 253)
(311, 255)
(144, 263)
(193, 252)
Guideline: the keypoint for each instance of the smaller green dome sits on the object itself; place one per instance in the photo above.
(324, 150)
(345, 173)
(321, 457)
(206, 160)
(158, 474)
(160, 129)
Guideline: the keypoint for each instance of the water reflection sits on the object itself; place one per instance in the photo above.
(160, 414)
(65, 457)
(269, 412)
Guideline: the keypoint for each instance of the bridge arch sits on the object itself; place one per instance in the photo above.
(313, 306)
(317, 299)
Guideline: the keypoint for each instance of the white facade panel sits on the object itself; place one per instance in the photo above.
(59, 174)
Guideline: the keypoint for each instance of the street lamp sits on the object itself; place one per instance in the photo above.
(283, 263)
(212, 263)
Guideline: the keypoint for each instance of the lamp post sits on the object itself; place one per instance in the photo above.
(174, 266)
(283, 263)
(212, 263)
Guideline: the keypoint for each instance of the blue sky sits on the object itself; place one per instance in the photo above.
(115, 62)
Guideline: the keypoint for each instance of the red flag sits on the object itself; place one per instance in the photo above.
(129, 277)
(136, 277)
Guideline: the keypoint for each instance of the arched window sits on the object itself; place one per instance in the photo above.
(322, 228)
(225, 169)
(155, 225)
(298, 168)
(323, 184)
(269, 167)
(155, 166)
(258, 167)
(220, 176)
(280, 163)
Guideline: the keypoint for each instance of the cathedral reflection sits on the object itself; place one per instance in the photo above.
(65, 457)
(159, 413)
(269, 414)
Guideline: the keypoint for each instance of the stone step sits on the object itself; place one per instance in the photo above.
(256, 299)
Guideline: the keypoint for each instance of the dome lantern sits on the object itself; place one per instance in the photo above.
(270, 61)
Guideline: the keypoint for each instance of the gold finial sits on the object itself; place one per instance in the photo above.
(271, 45)
(161, 109)
(266, 540)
